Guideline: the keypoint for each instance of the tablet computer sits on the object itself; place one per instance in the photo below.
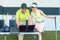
(23, 28)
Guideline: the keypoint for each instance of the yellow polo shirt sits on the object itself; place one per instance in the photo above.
(22, 16)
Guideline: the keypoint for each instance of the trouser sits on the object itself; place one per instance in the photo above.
(21, 36)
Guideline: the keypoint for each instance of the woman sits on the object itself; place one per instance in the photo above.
(38, 20)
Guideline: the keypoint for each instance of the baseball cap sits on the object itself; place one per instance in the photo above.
(23, 6)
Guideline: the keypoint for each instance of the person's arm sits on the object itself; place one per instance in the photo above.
(17, 19)
(46, 15)
(32, 19)
(5, 19)
(17, 22)
(29, 19)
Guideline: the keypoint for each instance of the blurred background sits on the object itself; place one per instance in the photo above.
(49, 7)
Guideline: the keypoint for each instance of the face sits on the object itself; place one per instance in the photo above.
(23, 10)
(34, 9)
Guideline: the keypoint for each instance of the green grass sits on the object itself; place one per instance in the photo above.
(30, 37)
(58, 35)
(48, 35)
(51, 35)
(9, 37)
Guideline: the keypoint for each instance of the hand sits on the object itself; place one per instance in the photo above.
(18, 26)
(53, 17)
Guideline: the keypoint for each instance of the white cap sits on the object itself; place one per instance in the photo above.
(34, 5)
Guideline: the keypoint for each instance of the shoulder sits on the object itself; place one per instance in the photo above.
(40, 10)
(27, 10)
(18, 10)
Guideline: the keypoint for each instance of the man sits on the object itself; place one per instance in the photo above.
(21, 16)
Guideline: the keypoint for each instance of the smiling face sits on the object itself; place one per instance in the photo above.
(33, 9)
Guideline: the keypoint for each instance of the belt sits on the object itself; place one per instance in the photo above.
(40, 22)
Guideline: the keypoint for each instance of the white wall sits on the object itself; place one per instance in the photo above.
(1, 2)
(41, 3)
(59, 3)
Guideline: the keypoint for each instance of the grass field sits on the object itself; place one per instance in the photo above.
(48, 35)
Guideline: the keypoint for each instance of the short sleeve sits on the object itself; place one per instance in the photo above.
(28, 12)
(17, 14)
